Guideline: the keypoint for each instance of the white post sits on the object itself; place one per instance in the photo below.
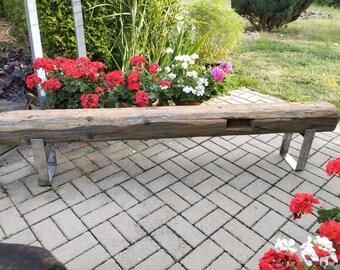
(35, 41)
(79, 27)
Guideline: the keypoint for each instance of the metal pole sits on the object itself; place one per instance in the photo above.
(79, 27)
(35, 41)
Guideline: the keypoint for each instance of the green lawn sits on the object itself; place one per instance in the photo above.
(299, 63)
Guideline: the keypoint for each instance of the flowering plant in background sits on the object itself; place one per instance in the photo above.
(191, 83)
(322, 252)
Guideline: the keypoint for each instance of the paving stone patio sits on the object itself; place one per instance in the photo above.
(187, 203)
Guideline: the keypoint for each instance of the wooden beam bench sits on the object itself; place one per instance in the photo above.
(43, 128)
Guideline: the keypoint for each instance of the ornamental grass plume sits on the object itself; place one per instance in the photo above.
(320, 253)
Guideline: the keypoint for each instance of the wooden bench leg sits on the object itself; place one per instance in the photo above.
(300, 164)
(45, 160)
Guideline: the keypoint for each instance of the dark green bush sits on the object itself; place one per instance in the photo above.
(329, 3)
(269, 15)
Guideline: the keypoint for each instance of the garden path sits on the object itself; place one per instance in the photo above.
(189, 203)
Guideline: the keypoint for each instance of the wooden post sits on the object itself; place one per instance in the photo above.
(35, 41)
(79, 27)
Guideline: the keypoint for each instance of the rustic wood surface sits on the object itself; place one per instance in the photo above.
(165, 122)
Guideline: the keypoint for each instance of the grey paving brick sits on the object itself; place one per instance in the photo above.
(163, 156)
(289, 182)
(333, 186)
(136, 190)
(13, 167)
(104, 172)
(79, 152)
(136, 145)
(262, 174)
(208, 185)
(144, 208)
(173, 244)
(269, 224)
(70, 194)
(161, 183)
(157, 218)
(235, 195)
(195, 178)
(247, 161)
(31, 183)
(252, 213)
(215, 148)
(186, 193)
(48, 234)
(218, 172)
(275, 204)
(85, 164)
(103, 213)
(223, 142)
(228, 166)
(213, 221)
(128, 227)
(225, 261)
(89, 260)
(69, 223)
(314, 179)
(185, 163)
(160, 260)
(202, 256)
(18, 192)
(129, 167)
(280, 195)
(173, 200)
(235, 154)
(322, 194)
(150, 175)
(174, 169)
(136, 253)
(224, 203)
(75, 247)
(318, 159)
(16, 175)
(86, 186)
(153, 150)
(205, 159)
(295, 232)
(110, 238)
(198, 210)
(45, 211)
(67, 176)
(113, 180)
(195, 152)
(141, 161)
(246, 235)
(174, 145)
(99, 159)
(233, 246)
(91, 204)
(120, 154)
(186, 231)
(110, 264)
(271, 168)
(121, 197)
(241, 181)
(25, 237)
(239, 140)
(5, 203)
(37, 202)
(256, 188)
(186, 142)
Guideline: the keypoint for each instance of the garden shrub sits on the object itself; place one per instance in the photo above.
(225, 29)
(329, 3)
(268, 15)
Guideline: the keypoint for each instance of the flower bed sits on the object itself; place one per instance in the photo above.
(82, 83)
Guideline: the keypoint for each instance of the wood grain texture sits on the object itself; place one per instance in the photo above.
(165, 122)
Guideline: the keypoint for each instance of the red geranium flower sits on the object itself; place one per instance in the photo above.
(99, 89)
(154, 68)
(142, 98)
(279, 260)
(165, 84)
(32, 80)
(333, 167)
(302, 203)
(133, 83)
(51, 84)
(114, 78)
(47, 64)
(137, 60)
(89, 101)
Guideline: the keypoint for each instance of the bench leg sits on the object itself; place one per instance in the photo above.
(45, 160)
(300, 164)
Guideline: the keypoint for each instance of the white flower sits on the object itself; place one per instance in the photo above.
(199, 90)
(164, 87)
(192, 74)
(185, 65)
(202, 81)
(194, 56)
(172, 76)
(167, 69)
(188, 89)
(285, 245)
(169, 50)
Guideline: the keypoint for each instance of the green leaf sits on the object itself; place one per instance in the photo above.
(199, 43)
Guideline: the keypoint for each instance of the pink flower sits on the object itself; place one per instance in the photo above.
(226, 66)
(217, 73)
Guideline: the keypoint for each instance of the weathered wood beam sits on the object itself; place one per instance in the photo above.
(165, 122)
(79, 27)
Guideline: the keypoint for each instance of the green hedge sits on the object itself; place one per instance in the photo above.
(329, 3)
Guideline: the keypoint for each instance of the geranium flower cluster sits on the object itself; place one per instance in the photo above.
(316, 253)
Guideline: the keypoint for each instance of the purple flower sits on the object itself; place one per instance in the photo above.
(217, 73)
(226, 66)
